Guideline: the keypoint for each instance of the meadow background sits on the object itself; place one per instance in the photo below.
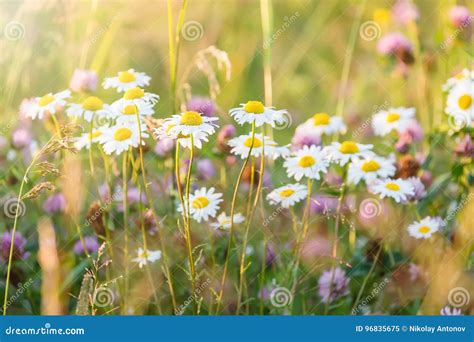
(317, 56)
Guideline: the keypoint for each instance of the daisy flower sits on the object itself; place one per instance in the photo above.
(425, 228)
(84, 141)
(188, 123)
(120, 137)
(241, 146)
(126, 112)
(224, 221)
(453, 81)
(396, 119)
(346, 151)
(126, 80)
(146, 256)
(204, 203)
(47, 104)
(255, 111)
(89, 108)
(310, 162)
(370, 168)
(136, 96)
(164, 132)
(323, 123)
(460, 100)
(288, 195)
(398, 189)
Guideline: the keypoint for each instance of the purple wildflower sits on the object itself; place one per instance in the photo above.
(18, 246)
(54, 203)
(333, 284)
(91, 244)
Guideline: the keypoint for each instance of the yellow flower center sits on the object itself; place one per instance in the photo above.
(306, 161)
(191, 119)
(92, 103)
(348, 147)
(287, 192)
(46, 100)
(200, 202)
(424, 229)
(465, 101)
(255, 107)
(122, 134)
(95, 134)
(126, 77)
(134, 93)
(129, 110)
(321, 119)
(381, 15)
(370, 166)
(392, 186)
(256, 142)
(392, 117)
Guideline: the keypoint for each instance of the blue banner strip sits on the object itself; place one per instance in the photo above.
(230, 329)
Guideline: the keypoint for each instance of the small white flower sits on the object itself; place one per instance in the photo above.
(396, 119)
(398, 189)
(164, 131)
(126, 80)
(84, 141)
(460, 100)
(121, 137)
(188, 123)
(453, 81)
(146, 256)
(346, 151)
(322, 123)
(127, 113)
(255, 111)
(288, 195)
(425, 228)
(47, 104)
(224, 221)
(90, 107)
(136, 96)
(241, 146)
(204, 203)
(370, 169)
(309, 162)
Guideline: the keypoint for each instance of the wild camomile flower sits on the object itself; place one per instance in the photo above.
(204, 203)
(465, 74)
(288, 195)
(398, 189)
(47, 104)
(188, 123)
(425, 228)
(136, 96)
(460, 100)
(84, 141)
(241, 146)
(120, 138)
(370, 168)
(255, 111)
(143, 257)
(346, 151)
(323, 123)
(126, 80)
(127, 112)
(309, 162)
(89, 108)
(396, 119)
(164, 132)
(224, 221)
